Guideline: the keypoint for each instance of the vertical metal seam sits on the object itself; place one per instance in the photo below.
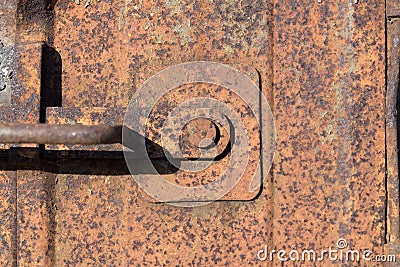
(392, 219)
(386, 128)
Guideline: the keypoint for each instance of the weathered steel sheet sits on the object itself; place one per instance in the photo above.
(109, 49)
(7, 178)
(392, 122)
(329, 173)
(7, 218)
(322, 67)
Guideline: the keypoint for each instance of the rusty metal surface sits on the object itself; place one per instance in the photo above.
(393, 8)
(152, 36)
(84, 64)
(7, 218)
(8, 221)
(393, 76)
(60, 134)
(329, 174)
(110, 48)
(326, 61)
(25, 108)
(94, 65)
(391, 132)
(108, 116)
(7, 50)
(35, 213)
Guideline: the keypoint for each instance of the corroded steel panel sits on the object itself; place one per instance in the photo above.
(329, 174)
(35, 213)
(109, 49)
(392, 122)
(7, 218)
(7, 178)
(321, 64)
(128, 43)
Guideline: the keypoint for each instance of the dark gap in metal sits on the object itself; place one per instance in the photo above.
(392, 120)
(390, 60)
(260, 96)
(228, 147)
(398, 118)
(397, 108)
(50, 81)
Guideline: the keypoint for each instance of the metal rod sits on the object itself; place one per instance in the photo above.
(60, 134)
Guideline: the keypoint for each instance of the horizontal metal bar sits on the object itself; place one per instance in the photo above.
(60, 134)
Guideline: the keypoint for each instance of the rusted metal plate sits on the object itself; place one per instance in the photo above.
(32, 215)
(7, 218)
(393, 74)
(111, 59)
(326, 61)
(113, 47)
(105, 115)
(35, 213)
(7, 178)
(25, 104)
(109, 49)
(329, 174)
